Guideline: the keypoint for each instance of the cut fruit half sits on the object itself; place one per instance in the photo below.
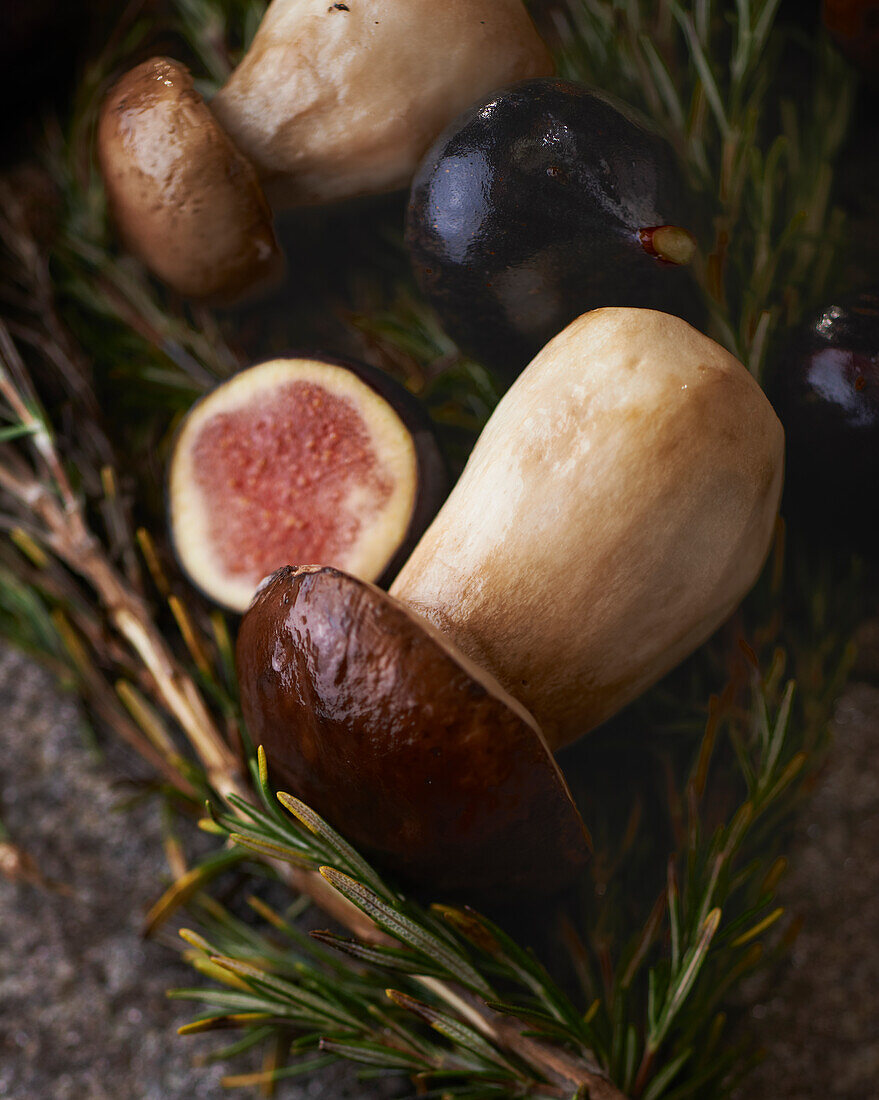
(415, 754)
(300, 461)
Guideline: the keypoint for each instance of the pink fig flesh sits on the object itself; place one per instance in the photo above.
(295, 461)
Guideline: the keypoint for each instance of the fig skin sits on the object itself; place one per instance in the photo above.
(184, 200)
(433, 475)
(540, 204)
(333, 101)
(618, 505)
(824, 384)
(418, 758)
(431, 486)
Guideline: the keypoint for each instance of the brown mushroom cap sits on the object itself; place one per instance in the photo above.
(383, 727)
(185, 201)
(338, 100)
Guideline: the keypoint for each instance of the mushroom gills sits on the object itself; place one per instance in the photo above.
(300, 461)
(418, 757)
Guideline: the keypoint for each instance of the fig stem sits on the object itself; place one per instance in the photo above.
(670, 243)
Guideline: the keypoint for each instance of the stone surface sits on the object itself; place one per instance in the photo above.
(820, 1021)
(83, 1012)
(82, 1007)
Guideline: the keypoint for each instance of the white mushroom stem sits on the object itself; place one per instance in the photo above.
(617, 507)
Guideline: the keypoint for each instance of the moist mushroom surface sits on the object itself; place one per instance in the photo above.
(185, 201)
(617, 507)
(416, 756)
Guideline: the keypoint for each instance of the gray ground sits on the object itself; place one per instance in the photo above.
(821, 1021)
(82, 1006)
(83, 1012)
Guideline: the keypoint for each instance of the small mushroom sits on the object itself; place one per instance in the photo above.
(302, 459)
(338, 100)
(185, 201)
(615, 510)
(415, 754)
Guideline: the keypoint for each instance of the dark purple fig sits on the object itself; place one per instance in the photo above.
(824, 385)
(544, 202)
(300, 461)
(416, 755)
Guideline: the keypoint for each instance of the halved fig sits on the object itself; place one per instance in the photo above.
(300, 461)
(415, 754)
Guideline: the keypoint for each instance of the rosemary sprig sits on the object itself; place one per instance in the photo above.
(660, 1002)
(41, 500)
(427, 955)
(36, 485)
(759, 154)
(657, 942)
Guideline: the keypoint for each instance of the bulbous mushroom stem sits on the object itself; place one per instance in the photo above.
(338, 100)
(617, 507)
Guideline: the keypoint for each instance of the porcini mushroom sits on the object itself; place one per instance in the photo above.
(184, 199)
(618, 505)
(337, 100)
(415, 754)
(615, 510)
(300, 460)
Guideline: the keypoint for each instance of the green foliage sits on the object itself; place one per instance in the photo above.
(219, 31)
(680, 897)
(338, 1001)
(757, 117)
(656, 1022)
(26, 620)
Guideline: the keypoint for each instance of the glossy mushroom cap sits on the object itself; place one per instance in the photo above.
(615, 510)
(185, 201)
(384, 728)
(338, 100)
